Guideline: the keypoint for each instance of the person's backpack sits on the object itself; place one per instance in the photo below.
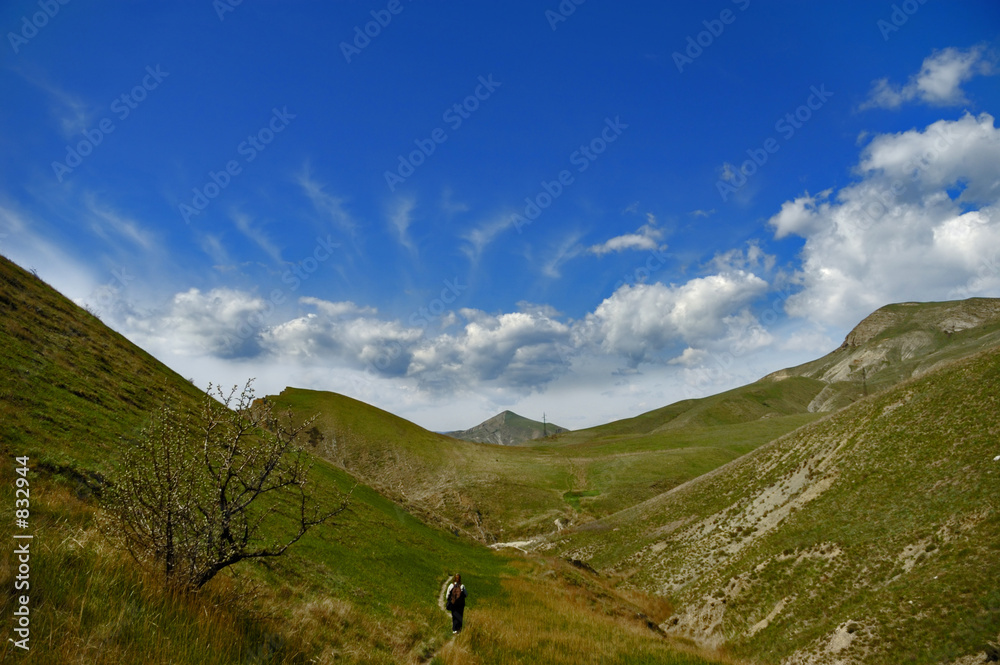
(454, 595)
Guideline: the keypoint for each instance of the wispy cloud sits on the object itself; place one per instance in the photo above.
(105, 218)
(481, 236)
(450, 206)
(247, 228)
(72, 113)
(647, 237)
(569, 248)
(328, 205)
(400, 217)
(938, 83)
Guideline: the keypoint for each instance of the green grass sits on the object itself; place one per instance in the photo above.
(909, 467)
(362, 588)
(573, 498)
(508, 492)
(902, 542)
(556, 614)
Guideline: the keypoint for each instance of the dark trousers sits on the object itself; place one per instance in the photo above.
(456, 619)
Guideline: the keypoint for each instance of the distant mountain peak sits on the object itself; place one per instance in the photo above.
(507, 429)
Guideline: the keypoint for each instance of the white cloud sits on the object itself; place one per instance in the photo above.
(221, 322)
(798, 216)
(480, 237)
(921, 223)
(752, 258)
(507, 355)
(28, 242)
(938, 83)
(567, 249)
(104, 218)
(691, 357)
(647, 237)
(639, 321)
(338, 310)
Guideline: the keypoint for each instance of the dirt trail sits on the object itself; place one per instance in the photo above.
(444, 589)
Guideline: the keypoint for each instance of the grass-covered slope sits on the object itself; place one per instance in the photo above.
(509, 492)
(364, 589)
(499, 493)
(70, 389)
(870, 536)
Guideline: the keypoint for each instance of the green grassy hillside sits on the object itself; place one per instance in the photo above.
(363, 589)
(70, 388)
(497, 493)
(870, 536)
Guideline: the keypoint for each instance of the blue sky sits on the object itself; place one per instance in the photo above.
(584, 209)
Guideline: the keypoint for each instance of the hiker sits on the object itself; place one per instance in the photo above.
(455, 602)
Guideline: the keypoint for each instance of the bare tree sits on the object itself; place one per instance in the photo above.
(199, 492)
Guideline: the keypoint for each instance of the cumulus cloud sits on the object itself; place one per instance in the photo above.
(221, 322)
(345, 334)
(640, 321)
(751, 258)
(938, 83)
(797, 216)
(472, 350)
(922, 222)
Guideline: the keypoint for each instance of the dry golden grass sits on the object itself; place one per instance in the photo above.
(554, 613)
